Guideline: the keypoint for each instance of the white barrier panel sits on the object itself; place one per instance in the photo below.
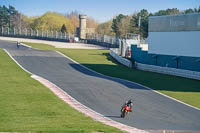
(170, 71)
(114, 54)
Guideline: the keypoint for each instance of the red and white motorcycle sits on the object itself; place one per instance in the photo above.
(125, 110)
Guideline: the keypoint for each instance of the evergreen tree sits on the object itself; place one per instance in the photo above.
(115, 24)
(140, 26)
(189, 11)
(63, 28)
(6, 14)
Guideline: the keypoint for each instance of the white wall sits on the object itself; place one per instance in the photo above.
(124, 61)
(185, 43)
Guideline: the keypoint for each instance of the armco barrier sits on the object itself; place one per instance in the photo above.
(114, 54)
(168, 70)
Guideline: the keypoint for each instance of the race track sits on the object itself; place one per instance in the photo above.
(105, 95)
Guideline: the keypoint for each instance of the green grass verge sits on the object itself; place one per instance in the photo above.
(26, 105)
(183, 89)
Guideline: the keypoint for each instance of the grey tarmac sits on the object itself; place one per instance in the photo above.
(105, 95)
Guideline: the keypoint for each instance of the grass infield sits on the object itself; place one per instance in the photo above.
(183, 89)
(28, 106)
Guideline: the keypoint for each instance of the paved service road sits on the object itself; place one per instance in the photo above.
(105, 95)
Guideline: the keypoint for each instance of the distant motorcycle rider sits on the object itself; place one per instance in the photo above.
(18, 44)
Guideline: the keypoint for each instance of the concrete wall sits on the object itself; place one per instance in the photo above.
(124, 61)
(169, 71)
(175, 35)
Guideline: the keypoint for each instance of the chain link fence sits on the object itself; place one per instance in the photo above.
(103, 40)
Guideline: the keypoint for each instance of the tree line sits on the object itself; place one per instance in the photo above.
(136, 23)
(120, 25)
(50, 21)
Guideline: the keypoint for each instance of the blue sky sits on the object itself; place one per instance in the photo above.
(101, 10)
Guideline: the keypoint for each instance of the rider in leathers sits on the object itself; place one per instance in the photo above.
(128, 103)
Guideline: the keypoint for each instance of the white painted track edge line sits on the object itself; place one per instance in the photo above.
(17, 62)
(130, 82)
(32, 75)
(25, 45)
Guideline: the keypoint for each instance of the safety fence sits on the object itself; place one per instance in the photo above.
(97, 39)
(36, 34)
(103, 40)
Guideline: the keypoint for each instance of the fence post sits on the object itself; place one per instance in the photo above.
(25, 31)
(65, 34)
(60, 36)
(56, 35)
(20, 31)
(36, 32)
(42, 33)
(8, 31)
(2, 30)
(112, 41)
(47, 33)
(31, 32)
(14, 31)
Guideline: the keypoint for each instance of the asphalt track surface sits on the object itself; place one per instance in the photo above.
(104, 94)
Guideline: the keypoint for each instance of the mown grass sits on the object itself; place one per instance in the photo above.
(183, 89)
(28, 106)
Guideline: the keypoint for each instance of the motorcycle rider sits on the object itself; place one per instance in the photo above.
(128, 103)
(18, 44)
